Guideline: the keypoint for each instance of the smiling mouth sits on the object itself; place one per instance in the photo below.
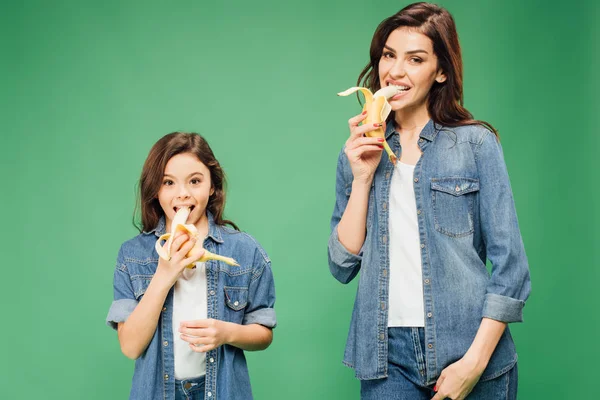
(401, 89)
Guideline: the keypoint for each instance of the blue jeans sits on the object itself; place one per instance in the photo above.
(407, 373)
(189, 389)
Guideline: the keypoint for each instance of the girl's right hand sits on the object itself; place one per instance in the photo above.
(364, 153)
(182, 245)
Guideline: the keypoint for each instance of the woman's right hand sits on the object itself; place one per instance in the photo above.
(364, 153)
(182, 245)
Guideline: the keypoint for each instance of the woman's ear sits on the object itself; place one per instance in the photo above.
(441, 77)
(212, 191)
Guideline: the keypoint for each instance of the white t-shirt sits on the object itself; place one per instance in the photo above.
(189, 303)
(406, 276)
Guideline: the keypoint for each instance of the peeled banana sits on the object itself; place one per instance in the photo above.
(178, 225)
(378, 109)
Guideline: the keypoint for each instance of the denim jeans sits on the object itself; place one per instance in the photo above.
(189, 389)
(407, 373)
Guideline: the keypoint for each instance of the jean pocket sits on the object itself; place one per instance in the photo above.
(452, 200)
(140, 284)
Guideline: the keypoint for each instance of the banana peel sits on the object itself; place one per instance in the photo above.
(378, 109)
(178, 225)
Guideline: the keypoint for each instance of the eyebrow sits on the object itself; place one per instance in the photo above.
(408, 52)
(189, 176)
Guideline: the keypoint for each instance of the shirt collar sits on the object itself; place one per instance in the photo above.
(429, 131)
(213, 229)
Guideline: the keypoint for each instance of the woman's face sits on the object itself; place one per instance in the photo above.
(408, 60)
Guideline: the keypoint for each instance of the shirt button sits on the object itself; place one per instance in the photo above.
(387, 176)
(164, 308)
(212, 292)
(236, 303)
(383, 305)
(381, 337)
(429, 315)
(384, 238)
(209, 394)
(165, 343)
(427, 281)
(457, 189)
(385, 272)
(166, 377)
(419, 212)
(420, 140)
(212, 360)
(422, 245)
(384, 206)
(430, 346)
(416, 179)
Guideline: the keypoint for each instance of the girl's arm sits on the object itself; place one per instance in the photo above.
(136, 332)
(207, 334)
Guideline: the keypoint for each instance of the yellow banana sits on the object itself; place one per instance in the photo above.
(378, 109)
(179, 225)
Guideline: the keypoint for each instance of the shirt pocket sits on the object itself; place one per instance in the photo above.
(236, 299)
(452, 200)
(140, 284)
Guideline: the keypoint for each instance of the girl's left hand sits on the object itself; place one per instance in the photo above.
(457, 380)
(204, 334)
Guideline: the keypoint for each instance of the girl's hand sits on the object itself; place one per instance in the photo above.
(205, 334)
(182, 245)
(457, 380)
(364, 153)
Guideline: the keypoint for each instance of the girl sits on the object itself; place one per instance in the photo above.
(187, 328)
(429, 321)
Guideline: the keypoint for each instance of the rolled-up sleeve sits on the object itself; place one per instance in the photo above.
(124, 301)
(510, 284)
(261, 298)
(344, 266)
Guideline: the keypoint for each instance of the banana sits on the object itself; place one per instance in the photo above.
(178, 225)
(378, 109)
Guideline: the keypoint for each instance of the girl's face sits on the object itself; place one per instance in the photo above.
(186, 182)
(408, 60)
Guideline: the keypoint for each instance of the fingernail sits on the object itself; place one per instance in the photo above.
(377, 125)
(364, 112)
(380, 146)
(435, 388)
(380, 139)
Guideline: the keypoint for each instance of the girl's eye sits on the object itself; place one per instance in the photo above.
(168, 182)
(195, 181)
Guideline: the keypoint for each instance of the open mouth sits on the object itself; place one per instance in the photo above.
(177, 208)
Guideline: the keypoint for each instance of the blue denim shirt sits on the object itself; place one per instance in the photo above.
(466, 214)
(243, 295)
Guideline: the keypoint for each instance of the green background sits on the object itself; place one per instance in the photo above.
(88, 87)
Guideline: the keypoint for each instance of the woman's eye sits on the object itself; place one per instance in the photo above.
(416, 60)
(168, 182)
(387, 54)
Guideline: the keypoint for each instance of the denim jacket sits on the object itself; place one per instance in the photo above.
(466, 214)
(243, 295)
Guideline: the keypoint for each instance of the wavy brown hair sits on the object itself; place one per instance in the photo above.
(153, 172)
(445, 100)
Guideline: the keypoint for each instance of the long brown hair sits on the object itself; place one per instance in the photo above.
(445, 101)
(154, 169)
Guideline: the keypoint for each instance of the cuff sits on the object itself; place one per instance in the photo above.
(119, 311)
(262, 316)
(503, 308)
(338, 253)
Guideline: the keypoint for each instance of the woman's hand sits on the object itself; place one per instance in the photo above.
(172, 269)
(364, 153)
(457, 380)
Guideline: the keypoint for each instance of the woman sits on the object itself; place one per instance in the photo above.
(429, 320)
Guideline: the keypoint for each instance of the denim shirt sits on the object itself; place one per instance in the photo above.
(466, 214)
(243, 295)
